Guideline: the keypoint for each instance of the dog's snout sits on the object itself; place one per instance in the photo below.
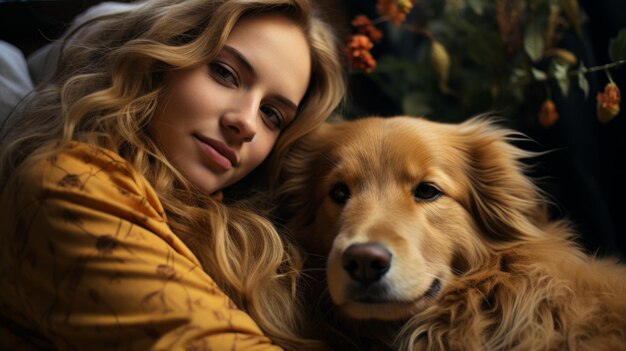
(366, 263)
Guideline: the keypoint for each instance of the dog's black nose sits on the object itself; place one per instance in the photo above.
(366, 263)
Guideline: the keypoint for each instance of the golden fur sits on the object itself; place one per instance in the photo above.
(507, 277)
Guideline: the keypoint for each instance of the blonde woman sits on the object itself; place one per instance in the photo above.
(114, 231)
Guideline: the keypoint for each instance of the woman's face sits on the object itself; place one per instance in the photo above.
(218, 122)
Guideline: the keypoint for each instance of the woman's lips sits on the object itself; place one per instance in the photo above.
(218, 152)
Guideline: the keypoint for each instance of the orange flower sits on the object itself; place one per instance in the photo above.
(365, 26)
(608, 103)
(548, 114)
(358, 53)
(394, 10)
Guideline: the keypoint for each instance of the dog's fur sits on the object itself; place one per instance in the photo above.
(480, 267)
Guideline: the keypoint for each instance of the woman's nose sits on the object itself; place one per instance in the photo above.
(242, 121)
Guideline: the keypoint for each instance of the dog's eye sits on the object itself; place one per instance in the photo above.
(426, 192)
(340, 193)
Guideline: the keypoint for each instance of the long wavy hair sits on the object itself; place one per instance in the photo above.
(105, 92)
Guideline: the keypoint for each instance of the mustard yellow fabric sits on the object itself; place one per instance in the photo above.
(88, 262)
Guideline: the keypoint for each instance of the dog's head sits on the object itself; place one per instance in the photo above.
(400, 206)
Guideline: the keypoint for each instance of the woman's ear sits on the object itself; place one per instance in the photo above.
(503, 200)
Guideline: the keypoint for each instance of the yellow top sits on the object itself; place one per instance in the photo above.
(88, 262)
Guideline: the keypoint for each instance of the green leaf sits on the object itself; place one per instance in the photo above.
(478, 6)
(416, 103)
(539, 74)
(560, 73)
(534, 41)
(617, 46)
(583, 84)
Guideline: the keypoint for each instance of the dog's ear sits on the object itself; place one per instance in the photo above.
(306, 160)
(503, 200)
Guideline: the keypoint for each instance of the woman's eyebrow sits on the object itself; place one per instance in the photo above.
(288, 103)
(242, 60)
(246, 65)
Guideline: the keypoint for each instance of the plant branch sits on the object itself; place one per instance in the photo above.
(598, 68)
(585, 70)
(379, 20)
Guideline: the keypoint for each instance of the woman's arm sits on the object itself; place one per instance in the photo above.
(93, 264)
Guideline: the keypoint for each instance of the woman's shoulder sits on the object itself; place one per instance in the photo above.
(66, 164)
(88, 172)
(89, 158)
(80, 157)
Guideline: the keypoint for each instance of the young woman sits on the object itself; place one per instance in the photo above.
(114, 234)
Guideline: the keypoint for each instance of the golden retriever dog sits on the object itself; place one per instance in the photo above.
(433, 238)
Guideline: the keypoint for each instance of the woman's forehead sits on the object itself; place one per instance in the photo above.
(277, 49)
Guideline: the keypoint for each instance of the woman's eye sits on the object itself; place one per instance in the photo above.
(426, 192)
(273, 116)
(340, 193)
(224, 74)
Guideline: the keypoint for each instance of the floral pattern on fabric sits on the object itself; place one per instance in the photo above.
(89, 262)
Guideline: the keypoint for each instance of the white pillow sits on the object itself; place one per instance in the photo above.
(15, 82)
(18, 75)
(42, 62)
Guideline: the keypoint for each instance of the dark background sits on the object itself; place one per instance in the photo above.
(585, 174)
